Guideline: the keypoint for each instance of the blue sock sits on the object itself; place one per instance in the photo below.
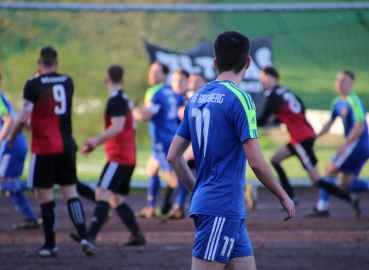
(14, 186)
(324, 196)
(181, 195)
(358, 186)
(21, 204)
(153, 190)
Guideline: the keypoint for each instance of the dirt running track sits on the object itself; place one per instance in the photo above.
(338, 242)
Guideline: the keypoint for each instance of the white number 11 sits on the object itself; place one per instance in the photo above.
(201, 130)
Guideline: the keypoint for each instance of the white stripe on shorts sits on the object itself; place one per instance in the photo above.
(341, 159)
(4, 164)
(214, 237)
(31, 171)
(304, 156)
(109, 174)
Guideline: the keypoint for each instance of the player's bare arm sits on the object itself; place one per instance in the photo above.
(355, 133)
(265, 175)
(326, 128)
(117, 125)
(19, 124)
(142, 114)
(175, 157)
(7, 126)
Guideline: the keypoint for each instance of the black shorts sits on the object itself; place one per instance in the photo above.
(47, 170)
(304, 151)
(116, 178)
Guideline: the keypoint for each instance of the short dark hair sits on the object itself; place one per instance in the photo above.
(231, 50)
(349, 73)
(48, 56)
(272, 71)
(116, 73)
(163, 66)
(182, 72)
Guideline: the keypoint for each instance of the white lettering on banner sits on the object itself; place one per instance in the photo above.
(251, 86)
(263, 56)
(207, 65)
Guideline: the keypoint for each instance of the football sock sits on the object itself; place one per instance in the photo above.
(181, 194)
(13, 186)
(128, 218)
(85, 191)
(168, 198)
(333, 189)
(284, 180)
(98, 219)
(325, 196)
(358, 186)
(77, 216)
(49, 218)
(153, 190)
(21, 204)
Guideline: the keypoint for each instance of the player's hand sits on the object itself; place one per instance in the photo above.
(9, 141)
(89, 145)
(289, 206)
(136, 113)
(340, 150)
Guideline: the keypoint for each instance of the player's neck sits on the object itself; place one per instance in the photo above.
(46, 70)
(114, 87)
(343, 96)
(230, 76)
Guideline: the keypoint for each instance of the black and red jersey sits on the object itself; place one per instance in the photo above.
(120, 148)
(288, 109)
(49, 99)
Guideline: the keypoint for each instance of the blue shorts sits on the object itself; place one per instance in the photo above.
(160, 153)
(354, 158)
(12, 160)
(220, 239)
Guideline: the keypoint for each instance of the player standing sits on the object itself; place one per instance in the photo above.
(283, 105)
(161, 111)
(119, 141)
(220, 120)
(352, 155)
(11, 165)
(48, 102)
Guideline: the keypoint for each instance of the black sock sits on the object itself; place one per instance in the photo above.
(48, 212)
(284, 180)
(86, 192)
(128, 217)
(98, 219)
(334, 190)
(167, 200)
(77, 216)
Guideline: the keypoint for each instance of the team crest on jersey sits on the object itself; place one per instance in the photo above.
(344, 112)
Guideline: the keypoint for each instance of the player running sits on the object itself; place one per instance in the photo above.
(283, 105)
(161, 111)
(11, 165)
(119, 141)
(220, 120)
(350, 157)
(48, 102)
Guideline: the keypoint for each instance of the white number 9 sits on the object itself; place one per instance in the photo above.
(59, 96)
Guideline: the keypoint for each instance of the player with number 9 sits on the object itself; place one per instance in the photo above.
(48, 102)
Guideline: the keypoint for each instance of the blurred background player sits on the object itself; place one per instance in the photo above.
(186, 85)
(350, 157)
(119, 141)
(161, 111)
(48, 102)
(283, 105)
(12, 163)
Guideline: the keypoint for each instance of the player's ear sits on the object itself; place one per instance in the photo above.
(39, 62)
(248, 62)
(56, 63)
(215, 64)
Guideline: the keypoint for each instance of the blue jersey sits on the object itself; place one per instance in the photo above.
(218, 119)
(163, 103)
(351, 110)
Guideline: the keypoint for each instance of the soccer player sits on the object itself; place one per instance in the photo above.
(352, 155)
(11, 165)
(161, 111)
(119, 141)
(283, 105)
(48, 102)
(220, 120)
